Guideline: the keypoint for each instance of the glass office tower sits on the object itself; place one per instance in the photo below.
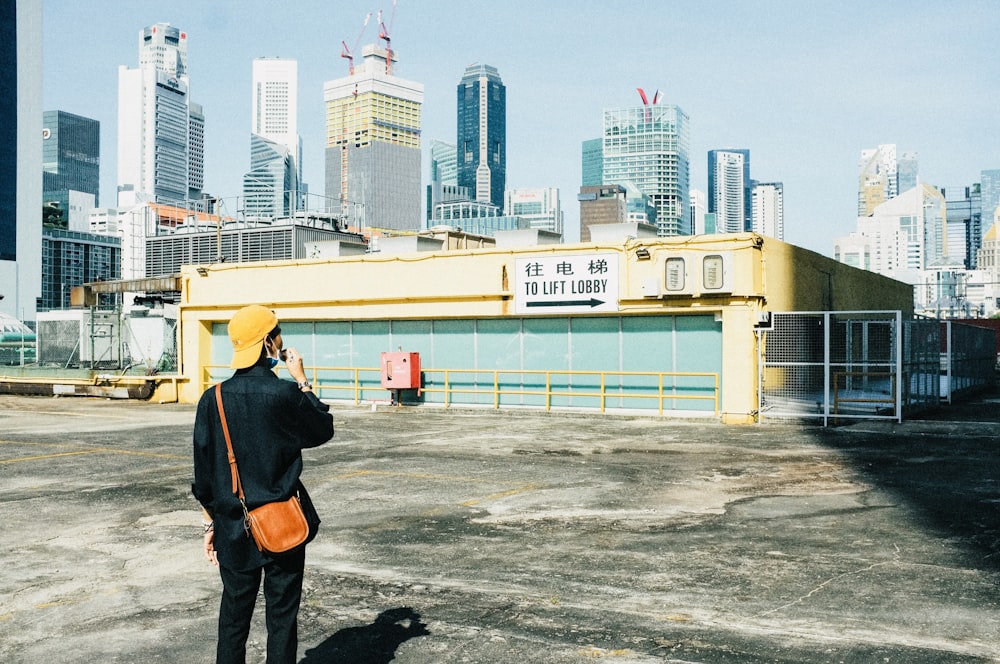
(649, 147)
(482, 134)
(71, 158)
(592, 166)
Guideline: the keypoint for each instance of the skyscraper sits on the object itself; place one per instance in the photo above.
(593, 163)
(20, 157)
(444, 175)
(373, 144)
(730, 190)
(989, 197)
(964, 224)
(71, 161)
(273, 185)
(649, 147)
(482, 133)
(882, 176)
(769, 209)
(160, 132)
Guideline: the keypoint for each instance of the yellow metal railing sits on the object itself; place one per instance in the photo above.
(869, 397)
(488, 382)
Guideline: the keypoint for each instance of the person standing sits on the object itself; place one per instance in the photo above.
(270, 422)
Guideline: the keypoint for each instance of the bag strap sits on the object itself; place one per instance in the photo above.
(237, 484)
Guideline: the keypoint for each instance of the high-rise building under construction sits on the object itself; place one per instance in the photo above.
(373, 144)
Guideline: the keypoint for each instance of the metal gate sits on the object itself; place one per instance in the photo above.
(847, 364)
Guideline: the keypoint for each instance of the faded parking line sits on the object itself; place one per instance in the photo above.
(517, 488)
(79, 452)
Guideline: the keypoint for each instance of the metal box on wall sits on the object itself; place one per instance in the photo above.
(401, 371)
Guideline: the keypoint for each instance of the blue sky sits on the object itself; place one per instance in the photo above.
(804, 85)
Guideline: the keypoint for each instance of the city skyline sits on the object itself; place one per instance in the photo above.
(805, 94)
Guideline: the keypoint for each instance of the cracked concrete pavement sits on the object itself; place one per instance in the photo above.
(512, 537)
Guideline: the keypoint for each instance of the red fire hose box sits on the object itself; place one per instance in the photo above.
(401, 371)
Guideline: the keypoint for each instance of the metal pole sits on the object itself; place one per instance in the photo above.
(949, 377)
(901, 375)
(218, 231)
(826, 368)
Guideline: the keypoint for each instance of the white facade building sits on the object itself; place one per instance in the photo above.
(539, 207)
(905, 239)
(729, 192)
(768, 209)
(907, 232)
(274, 110)
(273, 186)
(160, 132)
(698, 203)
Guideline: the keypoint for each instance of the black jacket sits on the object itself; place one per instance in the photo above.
(270, 422)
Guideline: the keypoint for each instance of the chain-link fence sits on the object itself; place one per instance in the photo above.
(137, 343)
(968, 360)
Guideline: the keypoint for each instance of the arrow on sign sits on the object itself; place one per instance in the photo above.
(592, 302)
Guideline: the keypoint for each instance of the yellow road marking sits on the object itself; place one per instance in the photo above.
(68, 413)
(157, 455)
(419, 476)
(47, 456)
(77, 600)
(503, 494)
(93, 450)
(34, 443)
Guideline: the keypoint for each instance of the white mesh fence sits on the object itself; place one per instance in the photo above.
(847, 364)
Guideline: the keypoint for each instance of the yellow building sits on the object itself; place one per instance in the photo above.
(664, 324)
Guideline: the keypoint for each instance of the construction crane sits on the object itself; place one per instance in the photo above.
(384, 33)
(348, 52)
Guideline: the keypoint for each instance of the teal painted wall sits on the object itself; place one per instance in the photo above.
(674, 343)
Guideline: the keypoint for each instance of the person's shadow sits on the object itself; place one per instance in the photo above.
(370, 644)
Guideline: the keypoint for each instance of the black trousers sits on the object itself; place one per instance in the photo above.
(282, 595)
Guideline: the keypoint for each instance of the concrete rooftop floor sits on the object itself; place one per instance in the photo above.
(511, 537)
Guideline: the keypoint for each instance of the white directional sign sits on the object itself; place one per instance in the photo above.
(566, 284)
